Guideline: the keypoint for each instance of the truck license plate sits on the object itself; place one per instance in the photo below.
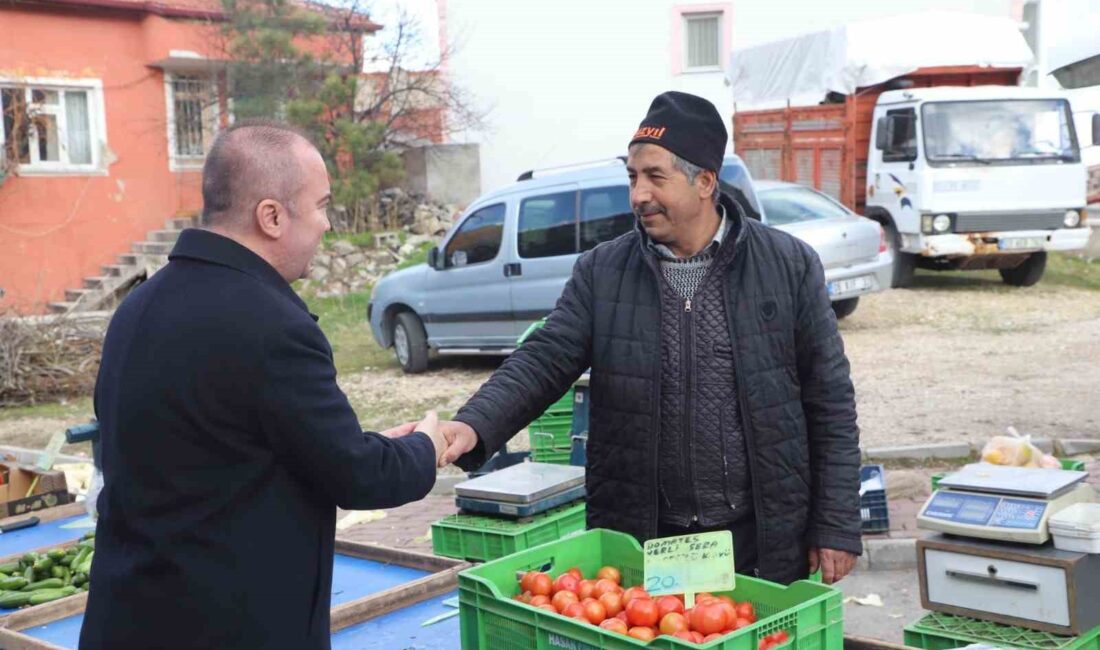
(1021, 243)
(858, 284)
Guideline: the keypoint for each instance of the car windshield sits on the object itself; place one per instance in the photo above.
(990, 132)
(786, 205)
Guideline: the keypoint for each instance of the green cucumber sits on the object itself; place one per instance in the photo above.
(47, 595)
(9, 567)
(56, 554)
(13, 584)
(79, 579)
(15, 599)
(49, 583)
(44, 565)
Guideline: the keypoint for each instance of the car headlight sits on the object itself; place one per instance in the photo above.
(942, 223)
(1072, 219)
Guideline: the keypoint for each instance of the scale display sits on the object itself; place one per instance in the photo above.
(982, 510)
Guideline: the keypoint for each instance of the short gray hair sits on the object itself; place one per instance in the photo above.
(692, 171)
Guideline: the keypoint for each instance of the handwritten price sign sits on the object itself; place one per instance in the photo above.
(689, 564)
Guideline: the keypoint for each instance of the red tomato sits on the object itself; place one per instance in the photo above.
(542, 585)
(745, 610)
(685, 635)
(740, 623)
(548, 607)
(573, 610)
(562, 599)
(697, 636)
(643, 612)
(610, 573)
(710, 637)
(539, 600)
(525, 581)
(632, 593)
(708, 618)
(613, 603)
(594, 611)
(576, 573)
(623, 617)
(673, 622)
(587, 589)
(615, 625)
(729, 611)
(524, 597)
(669, 604)
(642, 633)
(606, 586)
(781, 637)
(567, 582)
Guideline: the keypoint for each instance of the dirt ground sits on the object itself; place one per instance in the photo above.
(954, 358)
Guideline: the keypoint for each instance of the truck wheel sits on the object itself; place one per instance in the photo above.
(845, 307)
(410, 343)
(1027, 273)
(904, 263)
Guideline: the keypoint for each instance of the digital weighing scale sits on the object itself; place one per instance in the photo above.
(522, 490)
(1008, 504)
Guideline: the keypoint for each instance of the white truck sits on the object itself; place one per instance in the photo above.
(963, 168)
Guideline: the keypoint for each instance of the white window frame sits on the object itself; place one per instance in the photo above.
(688, 16)
(97, 126)
(177, 163)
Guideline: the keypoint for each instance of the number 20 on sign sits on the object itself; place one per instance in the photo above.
(689, 564)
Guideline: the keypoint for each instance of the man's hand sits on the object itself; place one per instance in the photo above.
(834, 565)
(400, 431)
(461, 439)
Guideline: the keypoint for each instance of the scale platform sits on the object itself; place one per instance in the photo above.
(520, 509)
(1011, 504)
(522, 484)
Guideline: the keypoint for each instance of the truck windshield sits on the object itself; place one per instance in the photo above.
(1030, 131)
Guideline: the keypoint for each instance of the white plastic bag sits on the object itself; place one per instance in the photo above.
(1015, 450)
(94, 489)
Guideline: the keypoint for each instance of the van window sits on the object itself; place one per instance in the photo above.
(605, 214)
(478, 238)
(548, 225)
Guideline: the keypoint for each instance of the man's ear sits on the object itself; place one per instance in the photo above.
(270, 218)
(706, 182)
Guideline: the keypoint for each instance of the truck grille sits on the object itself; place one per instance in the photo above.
(991, 221)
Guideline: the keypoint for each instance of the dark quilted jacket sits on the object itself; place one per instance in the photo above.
(794, 391)
(704, 473)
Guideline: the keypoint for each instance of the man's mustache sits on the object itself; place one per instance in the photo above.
(648, 209)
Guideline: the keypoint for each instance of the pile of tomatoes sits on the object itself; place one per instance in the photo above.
(633, 612)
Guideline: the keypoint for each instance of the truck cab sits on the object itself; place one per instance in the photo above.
(983, 177)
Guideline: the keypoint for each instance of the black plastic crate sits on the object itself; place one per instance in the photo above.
(874, 512)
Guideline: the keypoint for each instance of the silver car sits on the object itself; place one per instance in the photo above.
(505, 263)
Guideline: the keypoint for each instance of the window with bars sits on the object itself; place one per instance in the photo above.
(48, 128)
(702, 41)
(194, 105)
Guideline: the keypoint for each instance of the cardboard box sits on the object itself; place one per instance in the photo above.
(50, 490)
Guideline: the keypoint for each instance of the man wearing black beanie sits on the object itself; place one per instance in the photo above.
(721, 397)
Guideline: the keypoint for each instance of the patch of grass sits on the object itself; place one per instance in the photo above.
(363, 239)
(418, 257)
(68, 410)
(1062, 271)
(344, 321)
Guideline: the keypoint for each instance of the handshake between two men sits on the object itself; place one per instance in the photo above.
(452, 439)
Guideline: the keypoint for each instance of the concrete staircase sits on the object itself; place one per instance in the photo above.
(104, 291)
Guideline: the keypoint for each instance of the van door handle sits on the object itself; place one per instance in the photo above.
(513, 270)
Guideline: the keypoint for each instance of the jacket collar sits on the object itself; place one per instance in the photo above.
(210, 247)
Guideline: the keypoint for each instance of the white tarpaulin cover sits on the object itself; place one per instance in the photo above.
(870, 52)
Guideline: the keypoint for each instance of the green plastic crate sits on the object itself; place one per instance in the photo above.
(938, 631)
(1067, 463)
(485, 537)
(554, 456)
(490, 620)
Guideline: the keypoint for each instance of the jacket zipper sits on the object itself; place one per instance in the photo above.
(654, 523)
(687, 358)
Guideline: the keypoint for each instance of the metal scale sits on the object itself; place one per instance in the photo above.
(994, 560)
(522, 490)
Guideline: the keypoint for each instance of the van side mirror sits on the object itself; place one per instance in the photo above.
(882, 135)
(433, 257)
(1096, 129)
